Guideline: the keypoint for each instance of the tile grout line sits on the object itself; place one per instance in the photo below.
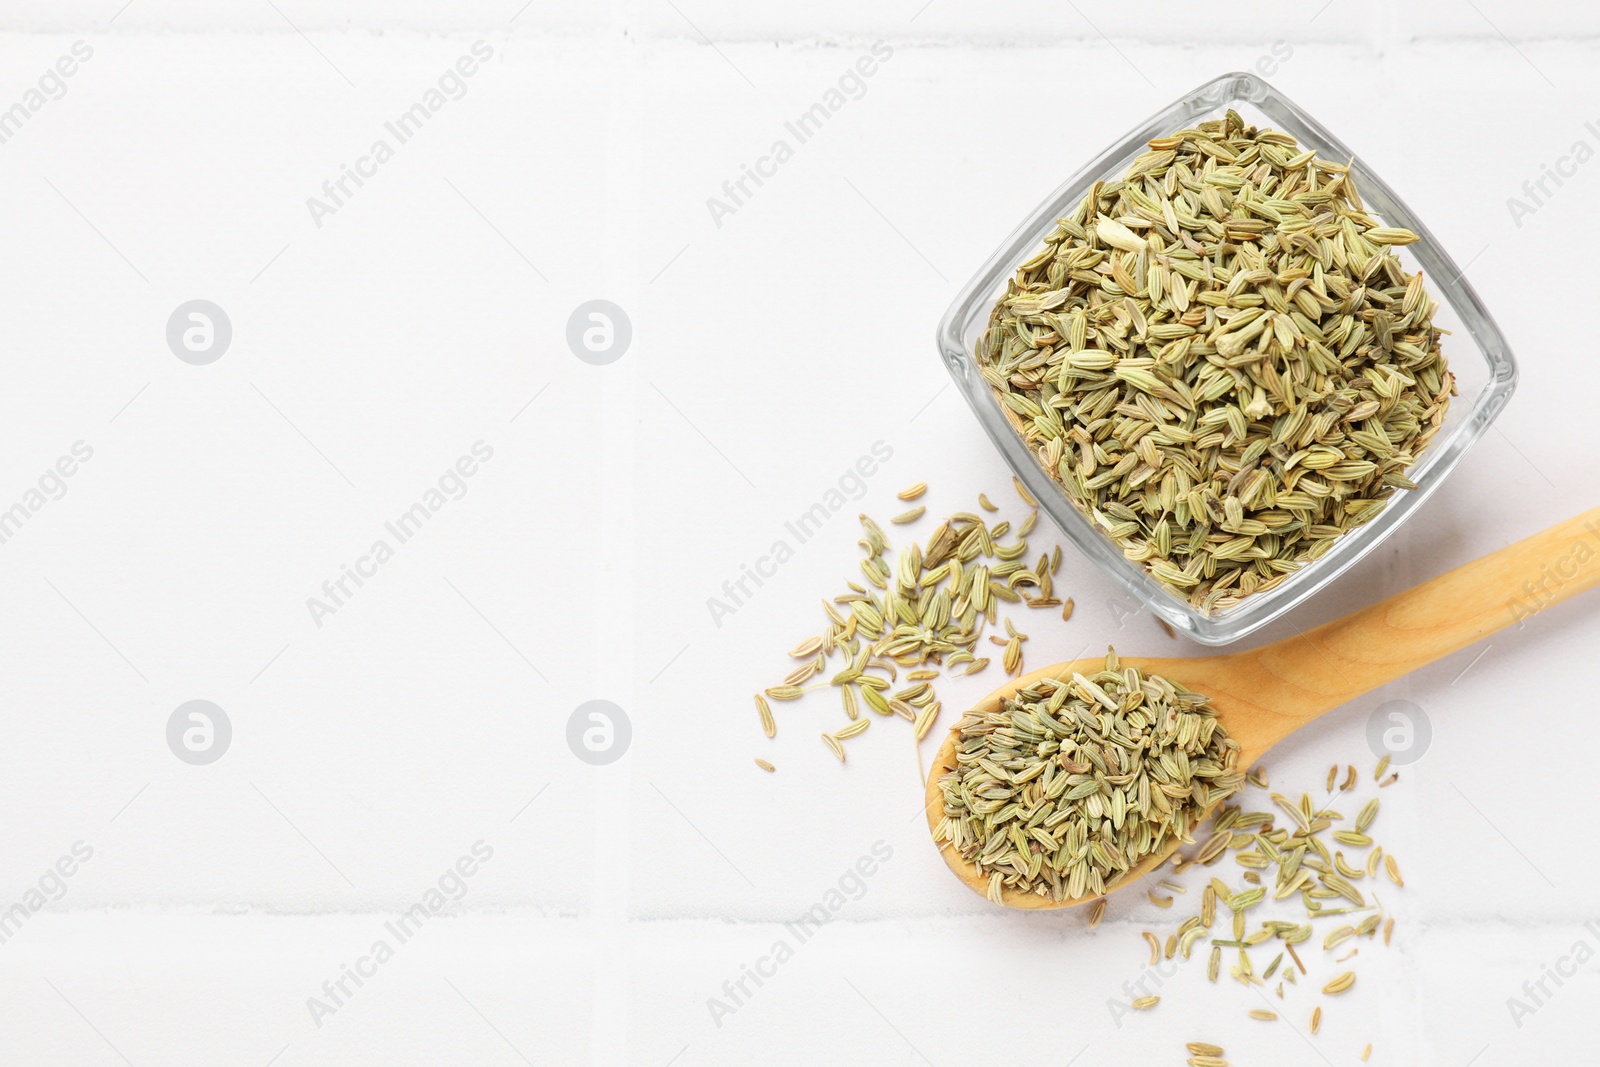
(614, 663)
(1009, 38)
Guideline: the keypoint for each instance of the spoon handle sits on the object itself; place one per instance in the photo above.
(1340, 660)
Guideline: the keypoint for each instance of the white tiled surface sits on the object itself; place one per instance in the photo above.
(770, 353)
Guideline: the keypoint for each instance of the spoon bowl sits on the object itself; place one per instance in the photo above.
(1262, 695)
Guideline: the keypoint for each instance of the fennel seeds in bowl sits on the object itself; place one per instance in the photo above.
(1220, 359)
(1075, 781)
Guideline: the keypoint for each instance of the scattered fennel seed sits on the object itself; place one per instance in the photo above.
(844, 733)
(923, 609)
(1340, 984)
(807, 648)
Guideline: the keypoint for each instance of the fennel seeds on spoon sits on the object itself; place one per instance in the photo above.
(1073, 782)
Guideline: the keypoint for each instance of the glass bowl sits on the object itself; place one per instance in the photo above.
(1475, 350)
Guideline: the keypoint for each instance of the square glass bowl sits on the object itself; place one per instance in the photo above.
(1474, 348)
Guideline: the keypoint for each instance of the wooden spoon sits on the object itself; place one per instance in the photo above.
(1264, 694)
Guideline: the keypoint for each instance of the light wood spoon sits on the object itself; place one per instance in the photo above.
(1264, 694)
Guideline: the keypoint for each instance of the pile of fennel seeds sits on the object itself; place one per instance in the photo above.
(1221, 360)
(920, 610)
(1311, 883)
(1074, 781)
